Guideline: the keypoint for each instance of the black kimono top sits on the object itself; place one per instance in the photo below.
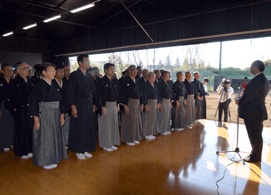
(166, 90)
(131, 89)
(151, 92)
(189, 88)
(5, 93)
(20, 91)
(179, 89)
(43, 92)
(81, 89)
(108, 91)
(63, 90)
(142, 81)
(197, 88)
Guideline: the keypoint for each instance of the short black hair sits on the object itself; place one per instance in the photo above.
(95, 68)
(259, 64)
(90, 69)
(5, 65)
(179, 72)
(59, 67)
(155, 71)
(81, 57)
(36, 66)
(138, 67)
(38, 71)
(107, 65)
(206, 80)
(163, 73)
(46, 65)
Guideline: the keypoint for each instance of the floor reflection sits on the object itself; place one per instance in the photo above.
(184, 162)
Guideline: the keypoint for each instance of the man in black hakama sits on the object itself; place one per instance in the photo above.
(198, 95)
(6, 119)
(133, 104)
(190, 105)
(80, 95)
(179, 121)
(21, 88)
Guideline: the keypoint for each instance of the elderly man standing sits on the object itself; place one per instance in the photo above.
(190, 106)
(21, 88)
(133, 104)
(6, 120)
(198, 95)
(152, 102)
(144, 76)
(179, 121)
(166, 95)
(252, 109)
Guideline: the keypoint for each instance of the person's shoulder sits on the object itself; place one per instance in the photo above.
(65, 81)
(2, 79)
(39, 84)
(126, 79)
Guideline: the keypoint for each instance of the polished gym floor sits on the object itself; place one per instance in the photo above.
(184, 162)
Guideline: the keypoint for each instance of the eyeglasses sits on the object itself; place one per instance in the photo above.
(24, 68)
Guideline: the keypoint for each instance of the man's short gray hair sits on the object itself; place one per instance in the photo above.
(196, 72)
(150, 74)
(130, 67)
(259, 64)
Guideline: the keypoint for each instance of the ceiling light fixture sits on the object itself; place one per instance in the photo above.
(30, 26)
(7, 34)
(82, 8)
(51, 19)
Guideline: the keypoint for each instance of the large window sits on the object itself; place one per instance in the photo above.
(236, 59)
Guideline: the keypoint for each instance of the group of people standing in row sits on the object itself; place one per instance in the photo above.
(43, 115)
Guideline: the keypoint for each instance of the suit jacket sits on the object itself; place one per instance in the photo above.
(252, 103)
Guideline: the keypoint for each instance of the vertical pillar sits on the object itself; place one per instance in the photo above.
(220, 61)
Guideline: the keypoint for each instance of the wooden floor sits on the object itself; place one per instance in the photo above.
(181, 163)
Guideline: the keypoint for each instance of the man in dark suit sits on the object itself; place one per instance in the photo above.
(252, 109)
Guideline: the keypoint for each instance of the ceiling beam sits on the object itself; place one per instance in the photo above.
(137, 21)
(113, 15)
